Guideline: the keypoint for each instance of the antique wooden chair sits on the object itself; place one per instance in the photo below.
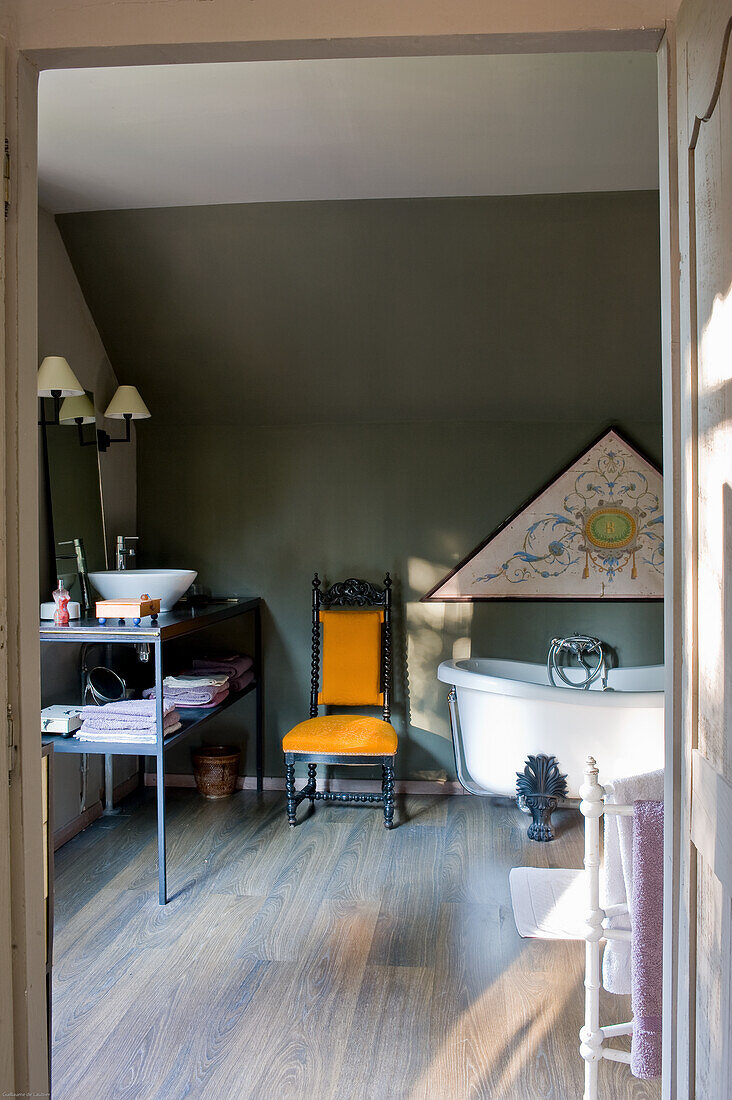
(351, 667)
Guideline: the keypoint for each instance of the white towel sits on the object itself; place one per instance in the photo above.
(186, 683)
(616, 874)
(131, 737)
(549, 903)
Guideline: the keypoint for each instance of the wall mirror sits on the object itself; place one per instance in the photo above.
(74, 499)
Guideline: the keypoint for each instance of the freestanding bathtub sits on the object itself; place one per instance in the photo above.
(508, 709)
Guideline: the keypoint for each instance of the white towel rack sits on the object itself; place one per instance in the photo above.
(593, 1036)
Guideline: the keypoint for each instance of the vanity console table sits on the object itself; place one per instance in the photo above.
(173, 625)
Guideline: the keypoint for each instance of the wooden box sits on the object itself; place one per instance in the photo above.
(127, 608)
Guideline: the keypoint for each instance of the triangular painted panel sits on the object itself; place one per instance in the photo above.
(595, 532)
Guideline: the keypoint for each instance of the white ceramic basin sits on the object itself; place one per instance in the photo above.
(167, 585)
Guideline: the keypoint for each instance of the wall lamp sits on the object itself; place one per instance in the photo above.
(56, 379)
(126, 405)
(79, 411)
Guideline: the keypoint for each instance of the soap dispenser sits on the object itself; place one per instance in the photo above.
(61, 599)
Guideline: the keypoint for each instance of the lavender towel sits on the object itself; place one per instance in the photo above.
(121, 723)
(140, 708)
(205, 704)
(646, 960)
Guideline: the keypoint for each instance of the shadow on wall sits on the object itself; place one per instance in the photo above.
(434, 632)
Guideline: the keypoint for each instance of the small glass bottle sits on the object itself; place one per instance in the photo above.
(61, 599)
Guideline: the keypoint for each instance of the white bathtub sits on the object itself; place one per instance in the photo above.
(508, 709)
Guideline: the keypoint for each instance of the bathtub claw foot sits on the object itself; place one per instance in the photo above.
(541, 809)
(538, 787)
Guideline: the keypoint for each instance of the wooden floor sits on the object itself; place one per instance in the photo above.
(334, 960)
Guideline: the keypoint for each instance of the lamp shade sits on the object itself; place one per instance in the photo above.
(55, 375)
(74, 408)
(127, 402)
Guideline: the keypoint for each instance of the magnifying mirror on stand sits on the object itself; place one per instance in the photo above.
(104, 686)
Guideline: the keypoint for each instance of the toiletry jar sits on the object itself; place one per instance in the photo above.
(47, 610)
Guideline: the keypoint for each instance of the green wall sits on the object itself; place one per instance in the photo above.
(361, 386)
(533, 307)
(258, 511)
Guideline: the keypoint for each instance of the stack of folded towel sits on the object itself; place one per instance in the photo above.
(190, 690)
(208, 683)
(239, 669)
(130, 720)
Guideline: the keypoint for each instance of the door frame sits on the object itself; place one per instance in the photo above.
(21, 342)
(673, 550)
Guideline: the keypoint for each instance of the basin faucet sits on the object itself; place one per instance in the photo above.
(124, 551)
(79, 556)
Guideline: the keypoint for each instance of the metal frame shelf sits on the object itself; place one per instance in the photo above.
(170, 625)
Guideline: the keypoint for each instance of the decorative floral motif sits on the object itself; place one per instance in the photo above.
(610, 516)
(595, 531)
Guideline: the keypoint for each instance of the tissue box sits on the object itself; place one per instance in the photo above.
(60, 719)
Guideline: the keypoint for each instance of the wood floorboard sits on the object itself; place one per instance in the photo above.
(362, 868)
(302, 1054)
(337, 959)
(400, 995)
(407, 925)
(136, 1003)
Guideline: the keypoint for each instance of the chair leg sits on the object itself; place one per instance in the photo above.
(387, 787)
(312, 779)
(290, 788)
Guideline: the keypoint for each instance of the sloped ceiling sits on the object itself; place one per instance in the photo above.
(276, 131)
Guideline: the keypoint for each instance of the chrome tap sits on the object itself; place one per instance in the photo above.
(124, 551)
(79, 556)
(584, 648)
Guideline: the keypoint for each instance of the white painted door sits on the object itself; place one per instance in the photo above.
(7, 1077)
(704, 883)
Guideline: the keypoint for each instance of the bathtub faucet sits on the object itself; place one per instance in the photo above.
(589, 653)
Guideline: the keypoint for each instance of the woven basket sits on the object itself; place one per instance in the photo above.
(216, 768)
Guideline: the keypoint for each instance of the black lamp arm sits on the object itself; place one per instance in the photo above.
(104, 438)
(56, 395)
(79, 421)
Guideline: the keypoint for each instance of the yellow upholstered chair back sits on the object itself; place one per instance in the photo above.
(351, 659)
(351, 674)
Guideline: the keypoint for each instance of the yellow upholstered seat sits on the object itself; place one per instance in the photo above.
(342, 734)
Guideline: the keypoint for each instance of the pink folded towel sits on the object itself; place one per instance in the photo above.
(646, 957)
(234, 665)
(196, 697)
(211, 703)
(242, 681)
